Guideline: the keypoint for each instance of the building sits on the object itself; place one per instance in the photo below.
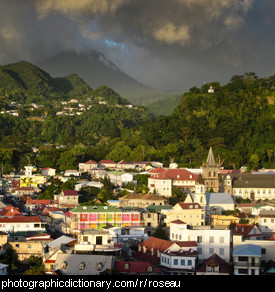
(107, 164)
(48, 171)
(214, 265)
(212, 203)
(255, 186)
(210, 174)
(83, 264)
(21, 223)
(120, 178)
(96, 240)
(267, 221)
(136, 268)
(87, 166)
(191, 213)
(209, 240)
(86, 217)
(247, 259)
(66, 199)
(141, 200)
(162, 180)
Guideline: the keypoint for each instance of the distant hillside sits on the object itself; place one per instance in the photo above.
(26, 83)
(97, 70)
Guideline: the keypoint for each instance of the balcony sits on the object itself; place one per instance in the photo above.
(246, 264)
(89, 247)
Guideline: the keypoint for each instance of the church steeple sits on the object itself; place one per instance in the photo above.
(210, 172)
(211, 159)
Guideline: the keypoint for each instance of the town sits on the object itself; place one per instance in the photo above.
(204, 221)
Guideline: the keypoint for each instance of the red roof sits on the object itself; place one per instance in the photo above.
(189, 206)
(70, 193)
(10, 211)
(171, 173)
(90, 162)
(20, 219)
(224, 267)
(106, 162)
(157, 244)
(135, 267)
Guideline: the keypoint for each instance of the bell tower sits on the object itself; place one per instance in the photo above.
(210, 173)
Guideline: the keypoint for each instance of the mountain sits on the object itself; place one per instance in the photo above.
(96, 70)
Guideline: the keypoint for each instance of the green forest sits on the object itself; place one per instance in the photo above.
(237, 119)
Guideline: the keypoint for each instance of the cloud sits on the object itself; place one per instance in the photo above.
(184, 36)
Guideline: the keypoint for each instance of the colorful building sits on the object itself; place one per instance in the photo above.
(84, 217)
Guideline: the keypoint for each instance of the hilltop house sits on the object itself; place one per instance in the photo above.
(162, 180)
(67, 199)
(87, 166)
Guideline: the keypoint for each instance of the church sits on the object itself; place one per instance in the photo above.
(210, 173)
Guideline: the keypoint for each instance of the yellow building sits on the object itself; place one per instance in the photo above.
(32, 181)
(223, 220)
(190, 213)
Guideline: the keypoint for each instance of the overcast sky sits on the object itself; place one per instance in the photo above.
(166, 44)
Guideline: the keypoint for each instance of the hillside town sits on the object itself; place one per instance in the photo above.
(224, 225)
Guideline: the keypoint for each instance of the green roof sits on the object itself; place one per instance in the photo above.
(159, 207)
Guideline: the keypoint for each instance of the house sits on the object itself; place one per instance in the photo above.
(48, 171)
(3, 269)
(62, 244)
(168, 254)
(21, 223)
(99, 216)
(267, 221)
(67, 199)
(71, 172)
(25, 249)
(87, 166)
(120, 178)
(212, 203)
(209, 240)
(136, 268)
(162, 180)
(141, 200)
(182, 262)
(10, 211)
(191, 213)
(35, 181)
(247, 259)
(96, 240)
(83, 264)
(214, 265)
(124, 234)
(107, 164)
(248, 231)
(223, 221)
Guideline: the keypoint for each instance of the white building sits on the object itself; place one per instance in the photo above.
(267, 221)
(247, 259)
(162, 180)
(21, 223)
(209, 240)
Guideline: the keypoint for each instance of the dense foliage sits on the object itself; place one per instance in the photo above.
(237, 119)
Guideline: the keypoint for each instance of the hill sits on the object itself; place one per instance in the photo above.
(96, 70)
(237, 119)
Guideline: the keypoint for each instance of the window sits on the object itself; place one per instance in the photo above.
(176, 262)
(182, 262)
(221, 239)
(221, 251)
(199, 239)
(211, 239)
(189, 262)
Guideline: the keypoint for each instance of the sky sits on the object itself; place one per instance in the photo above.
(165, 44)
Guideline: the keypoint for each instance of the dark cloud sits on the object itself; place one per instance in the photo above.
(169, 44)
